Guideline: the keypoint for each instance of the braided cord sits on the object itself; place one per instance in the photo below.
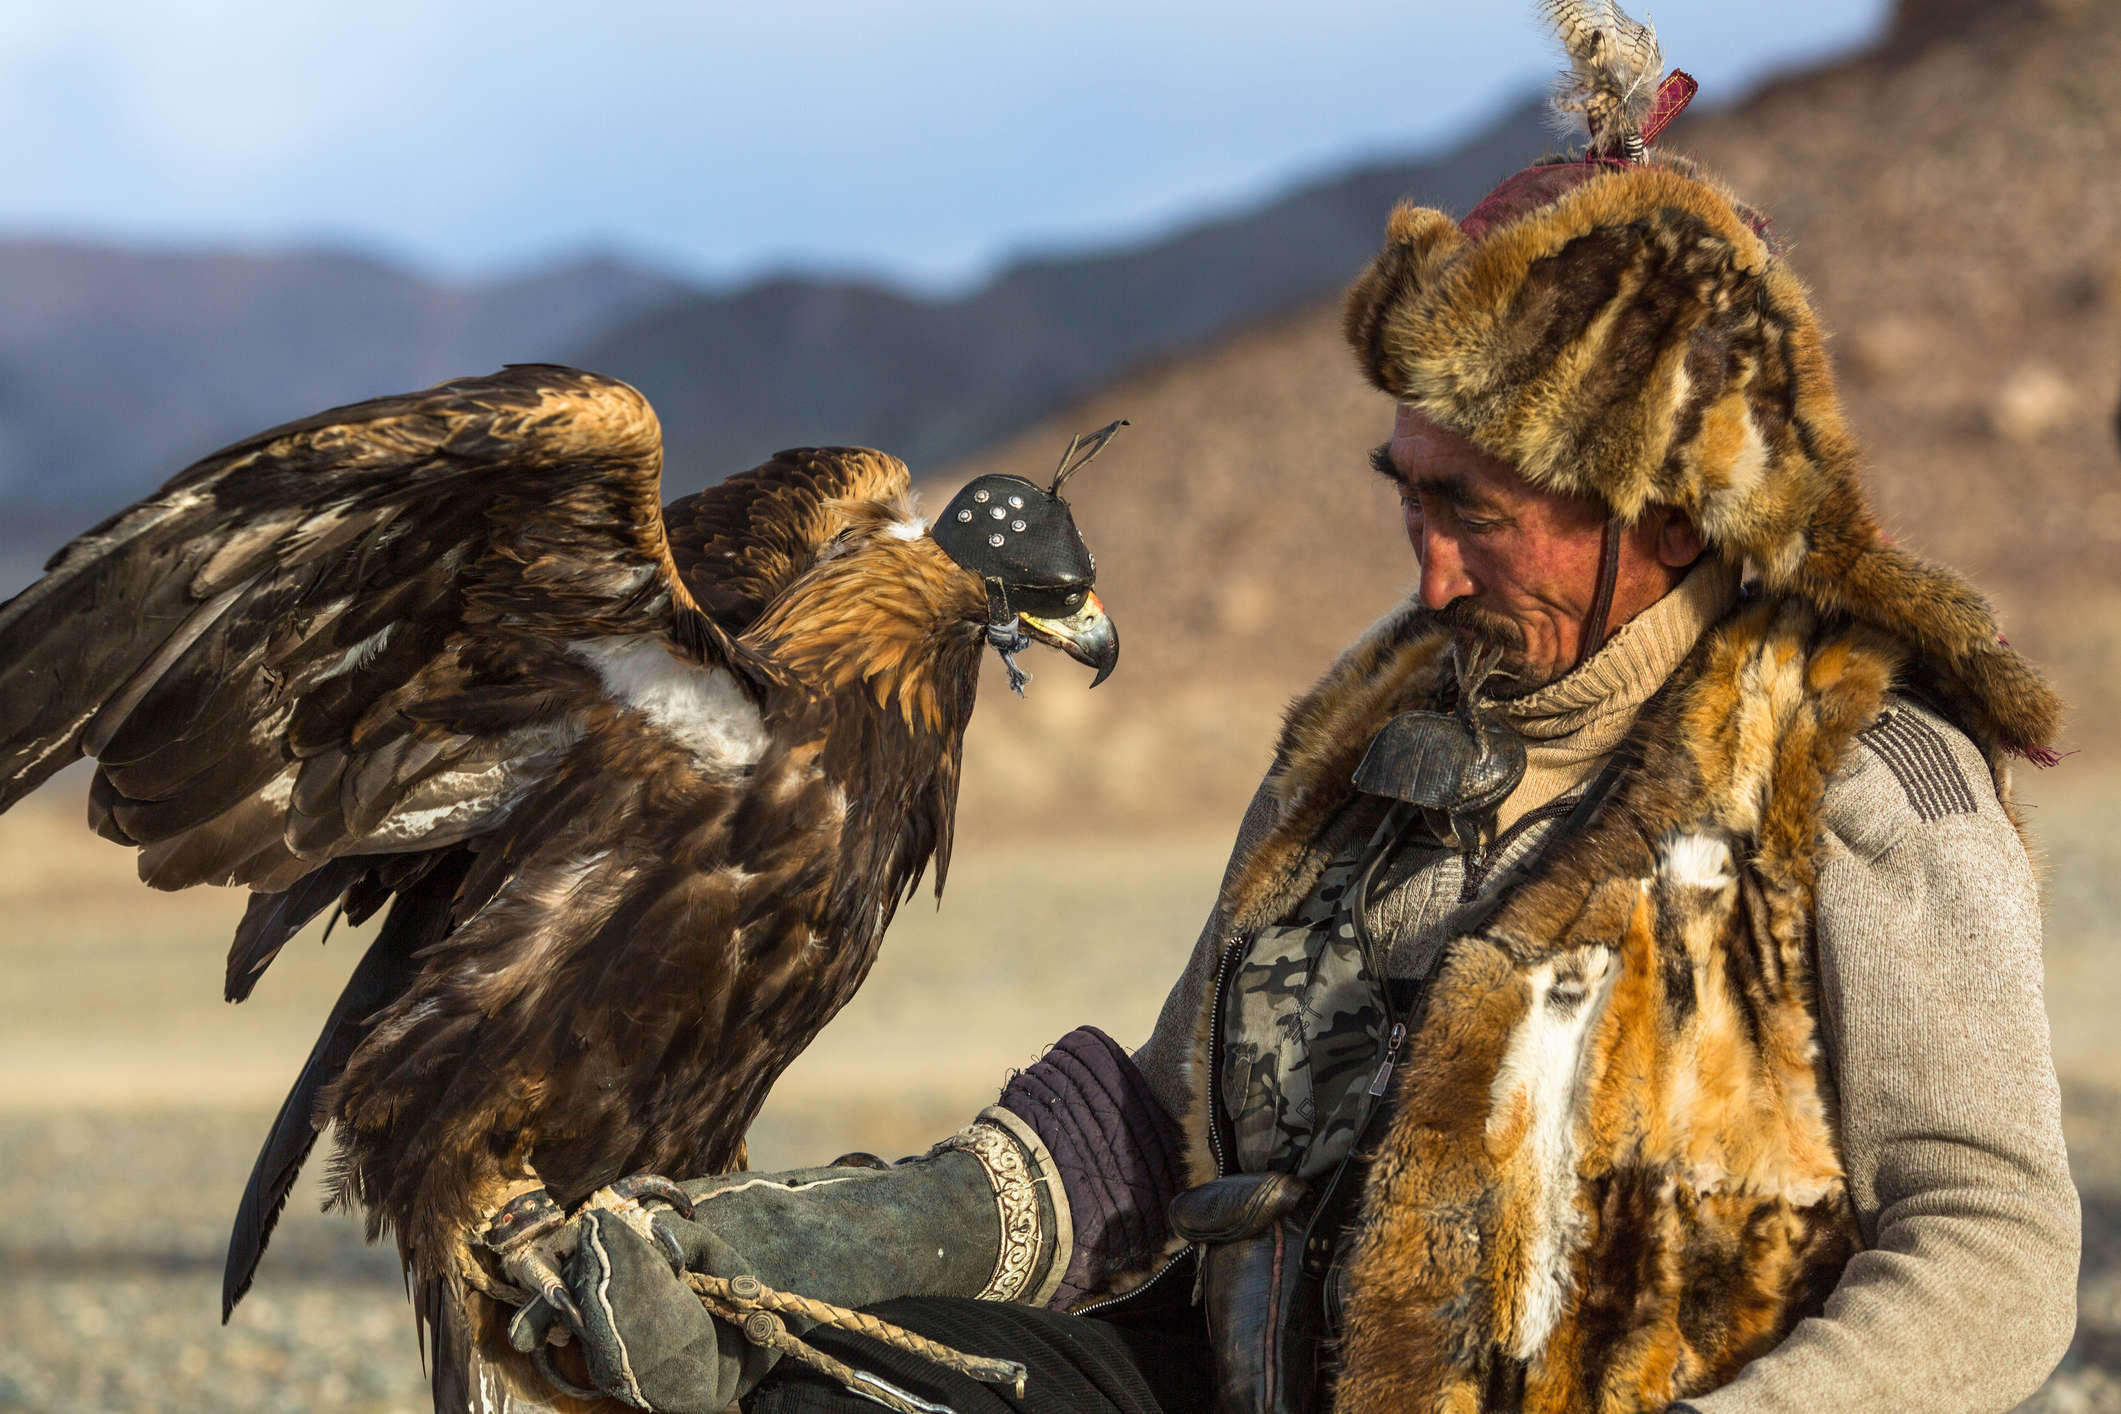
(756, 1309)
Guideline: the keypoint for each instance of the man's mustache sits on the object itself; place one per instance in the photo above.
(1481, 625)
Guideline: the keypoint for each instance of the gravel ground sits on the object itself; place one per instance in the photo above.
(110, 1279)
(110, 1272)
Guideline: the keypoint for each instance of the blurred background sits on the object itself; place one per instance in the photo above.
(959, 232)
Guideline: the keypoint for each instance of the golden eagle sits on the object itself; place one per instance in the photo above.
(641, 786)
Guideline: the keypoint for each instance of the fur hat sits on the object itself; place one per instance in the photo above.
(1625, 329)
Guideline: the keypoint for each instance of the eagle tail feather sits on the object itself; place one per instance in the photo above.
(451, 1358)
(420, 917)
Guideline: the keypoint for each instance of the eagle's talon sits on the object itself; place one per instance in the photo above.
(531, 1269)
(668, 1242)
(530, 1237)
(542, 1356)
(654, 1185)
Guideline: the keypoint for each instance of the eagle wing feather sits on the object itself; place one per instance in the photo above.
(738, 544)
(306, 634)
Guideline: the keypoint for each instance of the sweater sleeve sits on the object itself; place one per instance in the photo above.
(1964, 1297)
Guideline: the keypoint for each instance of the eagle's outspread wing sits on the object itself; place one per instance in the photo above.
(323, 660)
(341, 635)
(738, 544)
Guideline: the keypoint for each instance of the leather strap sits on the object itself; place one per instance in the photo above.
(1594, 624)
(1235, 1206)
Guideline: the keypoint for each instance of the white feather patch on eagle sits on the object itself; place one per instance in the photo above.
(912, 528)
(704, 710)
(569, 880)
(280, 789)
(1538, 1084)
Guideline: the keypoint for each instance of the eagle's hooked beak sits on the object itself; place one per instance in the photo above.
(1086, 635)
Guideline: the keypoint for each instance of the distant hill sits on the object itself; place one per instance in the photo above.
(1949, 194)
(1951, 198)
(118, 367)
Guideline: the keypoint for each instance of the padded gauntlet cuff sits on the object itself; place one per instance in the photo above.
(1116, 1156)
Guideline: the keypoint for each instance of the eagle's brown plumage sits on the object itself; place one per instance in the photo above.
(640, 787)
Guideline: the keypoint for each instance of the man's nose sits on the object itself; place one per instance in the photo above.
(1443, 573)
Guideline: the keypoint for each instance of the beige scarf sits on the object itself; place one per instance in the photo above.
(1571, 724)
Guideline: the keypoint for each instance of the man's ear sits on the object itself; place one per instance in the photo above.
(1679, 543)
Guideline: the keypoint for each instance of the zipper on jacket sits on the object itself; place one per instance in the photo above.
(1218, 1110)
(1393, 833)
(1393, 1042)
(1479, 862)
(1125, 1296)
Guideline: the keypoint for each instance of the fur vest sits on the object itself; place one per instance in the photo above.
(1611, 1176)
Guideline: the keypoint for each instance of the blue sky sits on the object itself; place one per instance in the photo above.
(924, 144)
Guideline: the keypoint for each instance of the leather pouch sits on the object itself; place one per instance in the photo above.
(1264, 1316)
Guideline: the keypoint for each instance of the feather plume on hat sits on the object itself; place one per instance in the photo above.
(1615, 63)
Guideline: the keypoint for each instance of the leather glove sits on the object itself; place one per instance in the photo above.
(849, 1236)
(644, 1336)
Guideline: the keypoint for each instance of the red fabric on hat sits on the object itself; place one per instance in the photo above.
(1673, 95)
(1534, 187)
(1529, 190)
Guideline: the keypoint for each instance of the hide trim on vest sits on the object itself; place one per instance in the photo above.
(1612, 1175)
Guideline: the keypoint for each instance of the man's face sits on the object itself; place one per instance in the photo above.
(1504, 560)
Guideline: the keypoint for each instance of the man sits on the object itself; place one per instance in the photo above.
(1625, 990)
